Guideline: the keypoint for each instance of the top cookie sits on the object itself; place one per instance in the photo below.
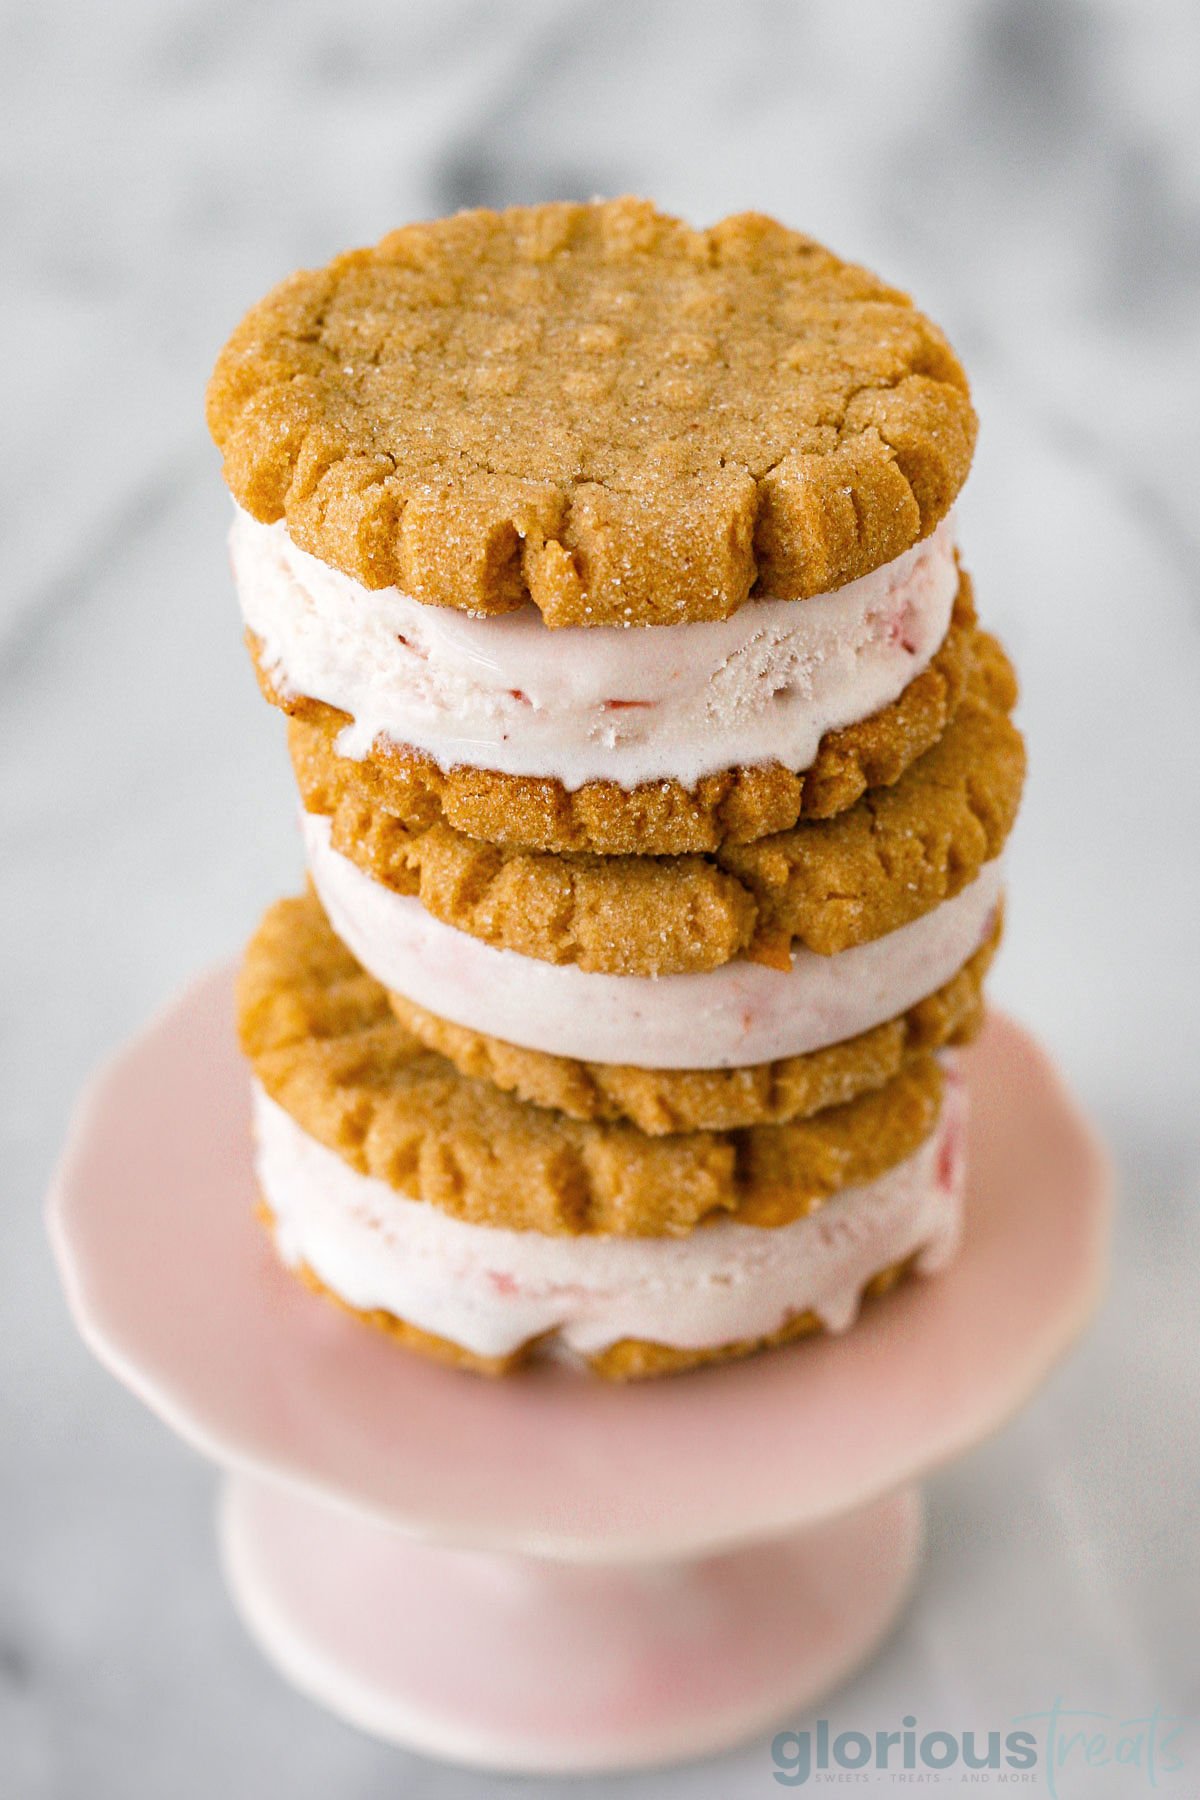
(595, 408)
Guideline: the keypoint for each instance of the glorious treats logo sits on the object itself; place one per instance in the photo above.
(1053, 1750)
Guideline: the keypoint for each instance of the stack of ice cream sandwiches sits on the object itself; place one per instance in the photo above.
(655, 778)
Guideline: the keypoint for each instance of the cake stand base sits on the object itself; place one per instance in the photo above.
(623, 1575)
(530, 1665)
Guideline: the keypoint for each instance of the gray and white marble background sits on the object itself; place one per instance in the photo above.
(1031, 168)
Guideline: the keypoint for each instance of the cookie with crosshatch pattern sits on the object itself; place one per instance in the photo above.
(596, 408)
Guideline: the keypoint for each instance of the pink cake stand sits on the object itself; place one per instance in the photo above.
(549, 1573)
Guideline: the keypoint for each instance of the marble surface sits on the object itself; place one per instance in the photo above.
(1031, 168)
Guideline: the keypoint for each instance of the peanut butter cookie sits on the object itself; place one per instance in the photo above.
(327, 1047)
(828, 884)
(658, 818)
(632, 1359)
(596, 408)
(662, 1101)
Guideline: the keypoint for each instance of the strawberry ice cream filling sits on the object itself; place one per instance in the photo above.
(738, 1014)
(492, 1290)
(579, 704)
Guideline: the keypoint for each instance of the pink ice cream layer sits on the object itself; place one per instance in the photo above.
(491, 1290)
(632, 705)
(740, 1014)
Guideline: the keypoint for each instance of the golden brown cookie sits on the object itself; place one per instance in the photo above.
(636, 1359)
(902, 850)
(595, 408)
(327, 1047)
(660, 818)
(662, 1101)
(828, 884)
(632, 1359)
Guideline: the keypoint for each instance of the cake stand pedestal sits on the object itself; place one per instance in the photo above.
(551, 1573)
